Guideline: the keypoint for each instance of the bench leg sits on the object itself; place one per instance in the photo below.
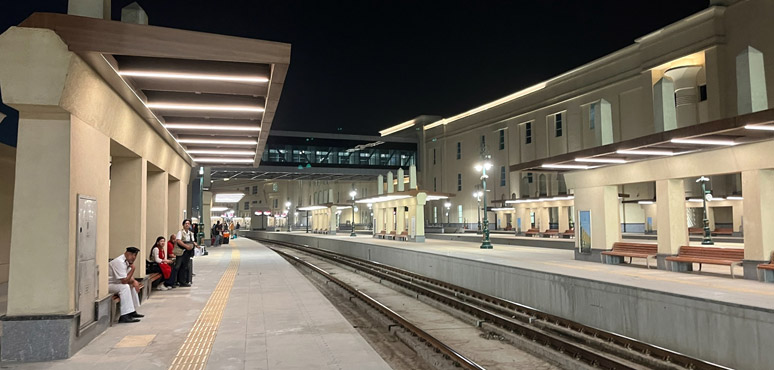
(732, 271)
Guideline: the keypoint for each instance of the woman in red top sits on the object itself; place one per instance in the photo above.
(158, 255)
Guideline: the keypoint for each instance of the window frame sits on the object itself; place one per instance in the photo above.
(527, 132)
(502, 140)
(558, 124)
(459, 182)
(503, 173)
(459, 150)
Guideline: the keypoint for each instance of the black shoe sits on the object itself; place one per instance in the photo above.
(135, 314)
(127, 318)
(185, 285)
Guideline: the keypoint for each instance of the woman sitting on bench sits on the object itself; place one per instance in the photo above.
(157, 263)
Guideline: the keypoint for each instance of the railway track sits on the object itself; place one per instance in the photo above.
(531, 327)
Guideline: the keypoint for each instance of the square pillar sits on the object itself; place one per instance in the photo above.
(400, 214)
(175, 208)
(332, 220)
(758, 190)
(602, 203)
(156, 210)
(664, 111)
(420, 217)
(128, 194)
(671, 213)
(564, 219)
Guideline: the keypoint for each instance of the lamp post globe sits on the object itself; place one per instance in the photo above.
(483, 167)
(352, 194)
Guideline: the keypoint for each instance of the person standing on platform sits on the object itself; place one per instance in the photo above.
(231, 229)
(216, 234)
(185, 243)
(121, 280)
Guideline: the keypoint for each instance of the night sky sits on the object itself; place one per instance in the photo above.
(361, 66)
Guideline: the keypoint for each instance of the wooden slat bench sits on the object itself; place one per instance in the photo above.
(687, 256)
(695, 231)
(768, 270)
(631, 250)
(391, 235)
(723, 231)
(147, 286)
(403, 236)
(550, 233)
(532, 232)
(380, 235)
(569, 233)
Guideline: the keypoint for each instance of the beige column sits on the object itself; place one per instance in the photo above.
(737, 210)
(602, 202)
(650, 210)
(8, 169)
(564, 219)
(420, 217)
(127, 206)
(175, 208)
(401, 219)
(758, 191)
(670, 208)
(207, 214)
(332, 220)
(377, 220)
(157, 209)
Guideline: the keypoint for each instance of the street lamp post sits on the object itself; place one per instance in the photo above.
(485, 244)
(287, 205)
(448, 206)
(706, 196)
(478, 194)
(352, 194)
(307, 222)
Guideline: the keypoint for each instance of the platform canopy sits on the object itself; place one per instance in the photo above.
(211, 96)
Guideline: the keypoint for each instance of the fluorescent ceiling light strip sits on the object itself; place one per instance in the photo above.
(221, 152)
(646, 202)
(228, 197)
(218, 141)
(698, 200)
(312, 208)
(645, 152)
(718, 199)
(734, 197)
(704, 142)
(380, 199)
(194, 76)
(600, 160)
(759, 127)
(502, 209)
(193, 126)
(206, 107)
(436, 197)
(224, 160)
(567, 166)
(218, 209)
(396, 128)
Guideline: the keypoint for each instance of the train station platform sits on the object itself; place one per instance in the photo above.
(248, 309)
(705, 314)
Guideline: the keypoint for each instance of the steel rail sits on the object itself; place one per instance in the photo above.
(453, 355)
(644, 348)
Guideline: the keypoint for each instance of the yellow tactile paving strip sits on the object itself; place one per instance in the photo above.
(195, 351)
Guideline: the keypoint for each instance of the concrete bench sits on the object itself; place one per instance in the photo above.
(631, 250)
(687, 256)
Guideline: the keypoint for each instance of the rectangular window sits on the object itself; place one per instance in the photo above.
(255, 189)
(276, 203)
(703, 93)
(274, 187)
(433, 156)
(502, 175)
(459, 182)
(529, 177)
(435, 215)
(558, 124)
(247, 205)
(483, 140)
(528, 133)
(502, 139)
(592, 115)
(435, 184)
(247, 189)
(459, 213)
(459, 150)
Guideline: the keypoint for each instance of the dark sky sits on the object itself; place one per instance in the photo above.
(366, 65)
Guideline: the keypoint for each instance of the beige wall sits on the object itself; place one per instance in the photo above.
(7, 168)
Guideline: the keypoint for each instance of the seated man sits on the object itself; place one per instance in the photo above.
(121, 280)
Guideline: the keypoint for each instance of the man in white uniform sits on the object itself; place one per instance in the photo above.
(121, 280)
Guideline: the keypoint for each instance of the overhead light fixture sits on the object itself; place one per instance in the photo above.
(228, 197)
(566, 166)
(383, 198)
(718, 199)
(220, 152)
(645, 152)
(397, 128)
(205, 107)
(600, 160)
(194, 76)
(501, 209)
(209, 127)
(312, 208)
(759, 127)
(696, 200)
(218, 209)
(734, 197)
(436, 197)
(224, 160)
(215, 141)
(646, 202)
(704, 142)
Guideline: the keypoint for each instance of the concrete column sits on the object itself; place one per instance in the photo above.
(8, 169)
(390, 185)
(401, 177)
(128, 192)
(207, 214)
(602, 203)
(134, 13)
(564, 219)
(89, 8)
(650, 211)
(412, 177)
(604, 119)
(750, 82)
(401, 219)
(175, 209)
(670, 208)
(737, 210)
(664, 113)
(332, 220)
(758, 190)
(157, 209)
(379, 185)
(420, 217)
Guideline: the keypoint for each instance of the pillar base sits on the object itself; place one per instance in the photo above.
(612, 260)
(768, 276)
(594, 256)
(50, 337)
(751, 271)
(419, 238)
